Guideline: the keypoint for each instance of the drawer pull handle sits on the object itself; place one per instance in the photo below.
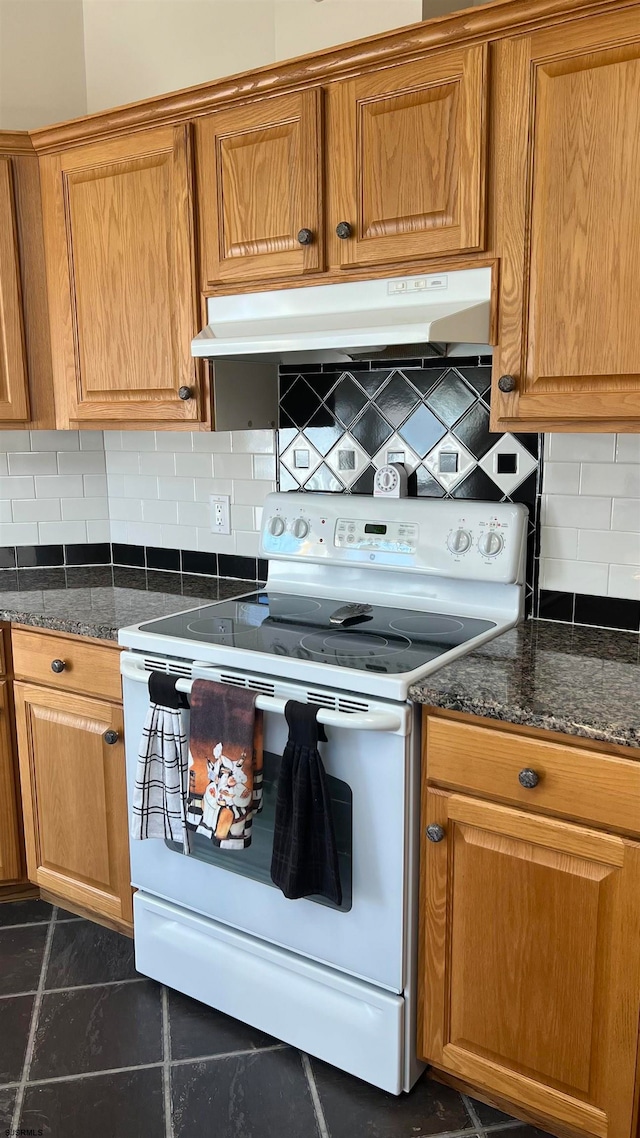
(58, 666)
(343, 230)
(111, 736)
(528, 778)
(305, 237)
(185, 393)
(435, 833)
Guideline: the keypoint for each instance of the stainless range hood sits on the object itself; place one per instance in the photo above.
(340, 321)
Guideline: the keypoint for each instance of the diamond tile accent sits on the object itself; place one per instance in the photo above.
(508, 448)
(396, 450)
(397, 399)
(324, 479)
(451, 398)
(346, 400)
(447, 448)
(427, 486)
(433, 412)
(300, 458)
(300, 402)
(371, 430)
(339, 460)
(422, 430)
(473, 430)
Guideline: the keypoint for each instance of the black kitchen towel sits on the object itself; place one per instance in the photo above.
(305, 856)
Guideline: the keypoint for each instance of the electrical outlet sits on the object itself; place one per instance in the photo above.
(220, 513)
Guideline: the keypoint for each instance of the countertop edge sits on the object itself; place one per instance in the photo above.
(614, 734)
(60, 624)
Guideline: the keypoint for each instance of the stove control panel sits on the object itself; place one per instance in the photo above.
(481, 541)
(380, 537)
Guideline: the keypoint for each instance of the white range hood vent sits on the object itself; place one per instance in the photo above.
(340, 321)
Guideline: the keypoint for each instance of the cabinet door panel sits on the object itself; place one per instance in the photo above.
(14, 399)
(408, 173)
(532, 975)
(259, 184)
(74, 798)
(121, 265)
(10, 859)
(574, 350)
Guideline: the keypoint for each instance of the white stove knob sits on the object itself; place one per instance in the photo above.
(276, 526)
(300, 528)
(459, 541)
(491, 543)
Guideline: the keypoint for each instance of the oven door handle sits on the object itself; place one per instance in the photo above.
(352, 720)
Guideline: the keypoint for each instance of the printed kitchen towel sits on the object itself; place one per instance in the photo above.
(159, 792)
(305, 855)
(225, 763)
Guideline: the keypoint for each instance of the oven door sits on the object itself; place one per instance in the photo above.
(372, 774)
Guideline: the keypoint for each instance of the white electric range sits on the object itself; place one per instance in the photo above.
(364, 598)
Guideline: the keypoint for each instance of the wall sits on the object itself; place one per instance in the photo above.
(590, 540)
(133, 487)
(139, 48)
(159, 485)
(42, 73)
(53, 488)
(432, 8)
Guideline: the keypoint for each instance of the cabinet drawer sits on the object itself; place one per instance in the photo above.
(581, 784)
(89, 668)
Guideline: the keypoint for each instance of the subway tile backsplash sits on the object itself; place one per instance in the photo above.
(53, 488)
(70, 492)
(140, 488)
(590, 519)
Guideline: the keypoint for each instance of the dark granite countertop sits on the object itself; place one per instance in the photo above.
(99, 600)
(558, 677)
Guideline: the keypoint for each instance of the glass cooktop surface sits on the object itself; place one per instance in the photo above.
(371, 638)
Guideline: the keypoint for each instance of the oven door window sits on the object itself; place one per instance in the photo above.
(255, 862)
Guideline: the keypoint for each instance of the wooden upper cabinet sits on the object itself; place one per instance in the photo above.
(14, 396)
(530, 963)
(259, 189)
(407, 159)
(120, 250)
(567, 208)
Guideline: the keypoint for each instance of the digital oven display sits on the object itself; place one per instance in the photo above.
(370, 528)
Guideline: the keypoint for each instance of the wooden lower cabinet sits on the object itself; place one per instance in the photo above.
(11, 861)
(74, 799)
(530, 960)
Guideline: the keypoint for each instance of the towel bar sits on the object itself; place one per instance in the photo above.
(353, 721)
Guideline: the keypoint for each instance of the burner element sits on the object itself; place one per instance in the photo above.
(355, 645)
(280, 608)
(426, 624)
(212, 627)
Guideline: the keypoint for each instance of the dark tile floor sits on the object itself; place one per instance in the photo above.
(90, 1047)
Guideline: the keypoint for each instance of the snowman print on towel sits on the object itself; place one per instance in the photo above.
(228, 798)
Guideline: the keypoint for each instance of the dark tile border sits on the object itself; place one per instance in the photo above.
(29, 558)
(596, 612)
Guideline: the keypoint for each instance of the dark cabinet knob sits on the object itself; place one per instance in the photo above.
(507, 383)
(111, 736)
(58, 665)
(528, 778)
(184, 393)
(305, 237)
(343, 230)
(435, 833)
